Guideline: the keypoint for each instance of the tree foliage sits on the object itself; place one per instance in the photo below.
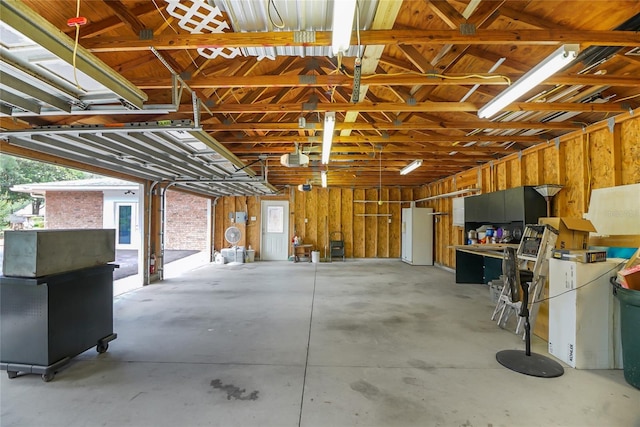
(14, 171)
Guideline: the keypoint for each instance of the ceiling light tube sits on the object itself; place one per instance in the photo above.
(327, 135)
(411, 167)
(323, 176)
(552, 64)
(343, 14)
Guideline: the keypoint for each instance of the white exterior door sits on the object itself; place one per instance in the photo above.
(275, 230)
(126, 224)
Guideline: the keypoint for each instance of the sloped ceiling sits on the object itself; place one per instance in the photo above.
(427, 67)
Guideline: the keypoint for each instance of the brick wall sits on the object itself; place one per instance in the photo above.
(186, 216)
(74, 209)
(186, 221)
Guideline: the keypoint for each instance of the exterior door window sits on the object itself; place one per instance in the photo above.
(124, 224)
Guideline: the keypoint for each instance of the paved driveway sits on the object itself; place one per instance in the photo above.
(126, 259)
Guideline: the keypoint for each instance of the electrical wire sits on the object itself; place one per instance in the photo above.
(437, 75)
(269, 4)
(627, 98)
(193, 61)
(75, 47)
(583, 285)
(358, 28)
(163, 17)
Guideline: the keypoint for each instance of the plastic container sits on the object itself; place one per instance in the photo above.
(315, 256)
(629, 321)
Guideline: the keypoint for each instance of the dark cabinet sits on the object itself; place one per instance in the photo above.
(495, 210)
(523, 204)
(510, 210)
(520, 204)
(474, 208)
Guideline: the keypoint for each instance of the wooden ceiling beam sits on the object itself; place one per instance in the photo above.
(130, 20)
(396, 63)
(412, 79)
(447, 13)
(439, 125)
(482, 151)
(111, 23)
(550, 37)
(526, 18)
(400, 107)
(393, 139)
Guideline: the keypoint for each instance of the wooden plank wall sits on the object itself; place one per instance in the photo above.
(603, 155)
(315, 214)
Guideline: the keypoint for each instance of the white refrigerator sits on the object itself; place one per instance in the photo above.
(584, 329)
(417, 236)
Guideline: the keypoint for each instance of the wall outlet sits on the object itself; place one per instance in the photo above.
(306, 220)
(253, 218)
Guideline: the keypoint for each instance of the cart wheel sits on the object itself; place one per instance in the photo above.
(48, 376)
(102, 347)
(12, 374)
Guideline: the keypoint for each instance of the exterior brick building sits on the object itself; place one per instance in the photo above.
(186, 221)
(74, 209)
(94, 203)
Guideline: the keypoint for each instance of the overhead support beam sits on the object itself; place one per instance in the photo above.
(130, 20)
(387, 149)
(447, 13)
(418, 107)
(397, 138)
(479, 124)
(93, 29)
(550, 37)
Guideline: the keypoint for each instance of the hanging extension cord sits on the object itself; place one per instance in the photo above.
(357, 75)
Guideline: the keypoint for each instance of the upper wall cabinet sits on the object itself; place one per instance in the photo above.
(522, 204)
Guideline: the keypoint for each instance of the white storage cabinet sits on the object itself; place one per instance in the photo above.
(417, 236)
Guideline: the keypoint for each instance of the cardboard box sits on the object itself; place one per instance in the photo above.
(630, 278)
(573, 232)
(580, 255)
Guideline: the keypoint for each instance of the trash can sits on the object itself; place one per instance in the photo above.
(629, 321)
(251, 254)
(315, 256)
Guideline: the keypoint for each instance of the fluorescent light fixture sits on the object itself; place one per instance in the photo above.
(343, 14)
(327, 135)
(552, 64)
(323, 175)
(411, 167)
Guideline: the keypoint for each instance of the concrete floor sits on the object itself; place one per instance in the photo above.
(360, 343)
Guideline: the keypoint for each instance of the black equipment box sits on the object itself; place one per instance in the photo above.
(47, 320)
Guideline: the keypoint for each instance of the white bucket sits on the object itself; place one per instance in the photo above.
(315, 256)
